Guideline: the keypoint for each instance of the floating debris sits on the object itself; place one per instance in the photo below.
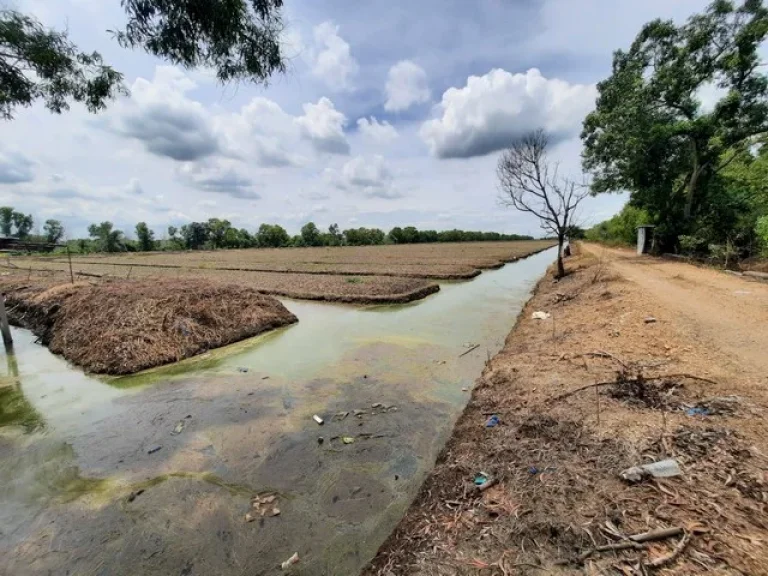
(317, 419)
(154, 449)
(348, 440)
(179, 428)
(340, 415)
(291, 561)
(242, 369)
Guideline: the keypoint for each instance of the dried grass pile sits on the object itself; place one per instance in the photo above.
(122, 327)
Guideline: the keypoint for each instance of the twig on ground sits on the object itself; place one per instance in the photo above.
(475, 347)
(669, 558)
(636, 542)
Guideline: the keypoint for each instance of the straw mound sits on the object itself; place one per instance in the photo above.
(122, 327)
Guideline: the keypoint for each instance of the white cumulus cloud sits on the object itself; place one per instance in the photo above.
(494, 110)
(406, 86)
(323, 126)
(332, 59)
(381, 132)
(369, 176)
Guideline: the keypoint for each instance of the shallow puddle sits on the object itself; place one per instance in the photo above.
(154, 473)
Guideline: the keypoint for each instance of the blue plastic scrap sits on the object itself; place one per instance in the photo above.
(697, 411)
(492, 421)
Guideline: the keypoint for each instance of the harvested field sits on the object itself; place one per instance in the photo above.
(360, 275)
(124, 326)
(615, 378)
(440, 261)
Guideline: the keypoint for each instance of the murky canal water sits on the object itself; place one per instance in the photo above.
(81, 494)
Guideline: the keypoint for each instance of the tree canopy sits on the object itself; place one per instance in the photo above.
(239, 39)
(652, 134)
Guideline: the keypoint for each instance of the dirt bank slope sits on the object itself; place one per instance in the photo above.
(678, 392)
(122, 327)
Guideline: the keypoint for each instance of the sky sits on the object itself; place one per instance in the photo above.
(390, 114)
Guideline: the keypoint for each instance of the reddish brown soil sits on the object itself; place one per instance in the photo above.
(558, 452)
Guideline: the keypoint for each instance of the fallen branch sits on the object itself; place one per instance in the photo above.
(669, 558)
(661, 534)
(632, 380)
(475, 347)
(635, 542)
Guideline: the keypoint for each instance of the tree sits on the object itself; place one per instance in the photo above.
(217, 232)
(650, 134)
(530, 182)
(239, 39)
(272, 236)
(54, 231)
(145, 236)
(195, 235)
(6, 220)
(311, 235)
(40, 64)
(109, 239)
(23, 224)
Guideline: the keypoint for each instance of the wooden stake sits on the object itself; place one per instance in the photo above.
(4, 328)
(69, 256)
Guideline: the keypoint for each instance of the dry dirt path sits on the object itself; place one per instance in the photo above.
(727, 313)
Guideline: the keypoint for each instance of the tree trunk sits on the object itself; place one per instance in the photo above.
(691, 188)
(560, 265)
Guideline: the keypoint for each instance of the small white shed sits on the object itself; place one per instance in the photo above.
(645, 238)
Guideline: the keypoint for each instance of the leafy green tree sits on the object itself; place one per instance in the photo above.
(195, 235)
(650, 134)
(621, 229)
(272, 236)
(146, 237)
(239, 39)
(217, 232)
(108, 239)
(396, 235)
(40, 64)
(23, 224)
(83, 246)
(54, 231)
(311, 235)
(6, 220)
(761, 229)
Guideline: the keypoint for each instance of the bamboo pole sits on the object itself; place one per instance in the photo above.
(69, 256)
(4, 328)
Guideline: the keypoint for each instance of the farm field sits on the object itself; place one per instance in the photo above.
(362, 275)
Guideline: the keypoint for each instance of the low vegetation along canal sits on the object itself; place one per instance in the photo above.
(157, 473)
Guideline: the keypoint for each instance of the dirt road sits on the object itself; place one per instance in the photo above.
(636, 360)
(725, 313)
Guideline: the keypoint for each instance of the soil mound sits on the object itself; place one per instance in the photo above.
(124, 326)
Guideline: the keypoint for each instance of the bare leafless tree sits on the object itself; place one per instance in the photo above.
(529, 181)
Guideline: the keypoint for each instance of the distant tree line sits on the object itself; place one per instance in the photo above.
(14, 224)
(216, 234)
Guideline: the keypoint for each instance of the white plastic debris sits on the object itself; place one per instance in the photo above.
(662, 469)
(541, 315)
(291, 561)
(317, 419)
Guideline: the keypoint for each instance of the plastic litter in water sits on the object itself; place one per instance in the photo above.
(291, 561)
(153, 449)
(317, 419)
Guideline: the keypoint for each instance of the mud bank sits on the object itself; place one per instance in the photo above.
(122, 327)
(610, 380)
